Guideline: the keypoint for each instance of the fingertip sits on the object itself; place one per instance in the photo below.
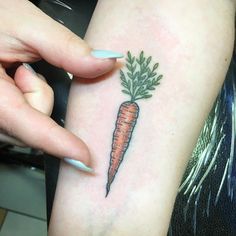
(79, 165)
(99, 62)
(90, 67)
(80, 152)
(106, 54)
(98, 67)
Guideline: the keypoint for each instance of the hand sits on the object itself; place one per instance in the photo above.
(27, 35)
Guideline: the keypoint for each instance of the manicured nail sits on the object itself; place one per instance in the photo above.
(103, 54)
(78, 164)
(29, 68)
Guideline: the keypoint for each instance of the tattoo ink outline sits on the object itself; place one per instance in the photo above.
(138, 82)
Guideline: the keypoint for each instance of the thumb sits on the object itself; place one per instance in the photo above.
(62, 48)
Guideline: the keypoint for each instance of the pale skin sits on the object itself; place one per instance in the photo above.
(26, 101)
(193, 42)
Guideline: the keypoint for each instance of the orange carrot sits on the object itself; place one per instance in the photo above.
(126, 120)
(138, 82)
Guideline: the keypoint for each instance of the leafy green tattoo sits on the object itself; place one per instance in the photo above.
(139, 80)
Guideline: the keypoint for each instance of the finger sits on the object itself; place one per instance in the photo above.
(18, 119)
(35, 89)
(62, 48)
(3, 136)
(39, 131)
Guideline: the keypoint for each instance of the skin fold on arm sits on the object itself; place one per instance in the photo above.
(147, 143)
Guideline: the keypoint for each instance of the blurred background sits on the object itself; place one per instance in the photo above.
(22, 192)
(206, 203)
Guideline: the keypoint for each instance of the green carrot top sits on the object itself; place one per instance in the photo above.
(141, 78)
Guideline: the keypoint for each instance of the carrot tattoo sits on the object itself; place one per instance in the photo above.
(140, 79)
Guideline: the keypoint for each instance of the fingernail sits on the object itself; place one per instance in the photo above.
(103, 54)
(29, 68)
(78, 164)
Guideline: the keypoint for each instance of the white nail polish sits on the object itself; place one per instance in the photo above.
(103, 54)
(78, 164)
(29, 68)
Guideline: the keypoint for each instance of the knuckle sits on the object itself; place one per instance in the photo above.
(45, 90)
(48, 90)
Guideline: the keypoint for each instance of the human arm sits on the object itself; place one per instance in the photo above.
(193, 43)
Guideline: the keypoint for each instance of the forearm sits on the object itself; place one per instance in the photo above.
(193, 44)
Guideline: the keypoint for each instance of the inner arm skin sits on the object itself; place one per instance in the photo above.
(193, 43)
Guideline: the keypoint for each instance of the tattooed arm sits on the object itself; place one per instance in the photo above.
(140, 144)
